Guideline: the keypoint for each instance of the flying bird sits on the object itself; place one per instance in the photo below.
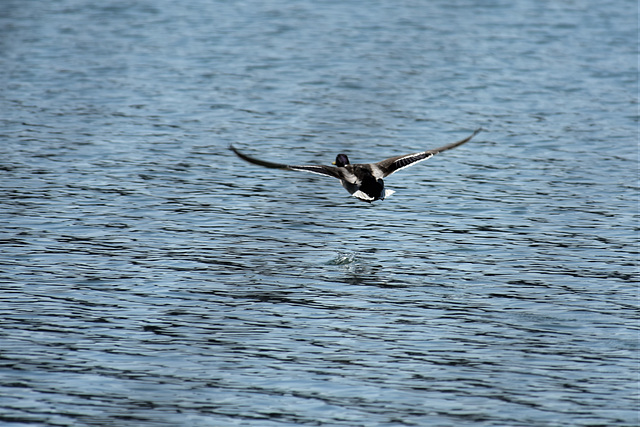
(362, 180)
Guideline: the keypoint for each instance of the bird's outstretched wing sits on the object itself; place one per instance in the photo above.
(393, 164)
(317, 169)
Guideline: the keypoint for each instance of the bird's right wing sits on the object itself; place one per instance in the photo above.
(394, 164)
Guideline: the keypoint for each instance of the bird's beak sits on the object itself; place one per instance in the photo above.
(333, 163)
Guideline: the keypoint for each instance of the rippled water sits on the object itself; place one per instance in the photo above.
(150, 277)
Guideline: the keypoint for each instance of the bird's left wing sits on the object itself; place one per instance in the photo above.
(317, 169)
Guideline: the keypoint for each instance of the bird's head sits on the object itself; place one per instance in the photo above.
(341, 160)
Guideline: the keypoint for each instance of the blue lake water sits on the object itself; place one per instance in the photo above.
(151, 278)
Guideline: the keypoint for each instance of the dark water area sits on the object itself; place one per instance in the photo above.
(150, 277)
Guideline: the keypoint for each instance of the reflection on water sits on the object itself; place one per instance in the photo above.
(150, 277)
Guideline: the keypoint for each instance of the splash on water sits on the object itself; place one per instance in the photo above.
(343, 258)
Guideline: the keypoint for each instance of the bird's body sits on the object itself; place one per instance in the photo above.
(365, 180)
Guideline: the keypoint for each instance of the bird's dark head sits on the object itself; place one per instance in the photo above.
(341, 160)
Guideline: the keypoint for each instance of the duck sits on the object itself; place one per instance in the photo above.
(364, 181)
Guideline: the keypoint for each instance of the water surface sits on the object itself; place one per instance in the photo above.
(150, 277)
